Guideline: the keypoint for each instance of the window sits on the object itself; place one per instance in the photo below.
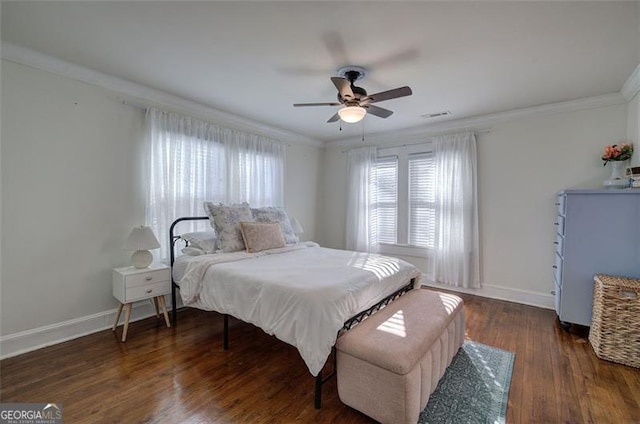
(191, 161)
(405, 210)
(422, 197)
(387, 206)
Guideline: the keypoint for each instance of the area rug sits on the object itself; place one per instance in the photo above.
(474, 389)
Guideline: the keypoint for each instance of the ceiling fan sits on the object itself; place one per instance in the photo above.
(356, 101)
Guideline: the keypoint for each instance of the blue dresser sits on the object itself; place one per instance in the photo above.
(597, 232)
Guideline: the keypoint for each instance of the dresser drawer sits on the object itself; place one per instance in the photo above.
(557, 270)
(557, 298)
(130, 283)
(559, 224)
(560, 204)
(147, 278)
(559, 244)
(150, 290)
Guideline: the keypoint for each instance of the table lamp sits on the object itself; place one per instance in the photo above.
(140, 240)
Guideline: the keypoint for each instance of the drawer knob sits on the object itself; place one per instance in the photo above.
(149, 290)
(557, 204)
(555, 267)
(556, 223)
(555, 242)
(149, 278)
(553, 292)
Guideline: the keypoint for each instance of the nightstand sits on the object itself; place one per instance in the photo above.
(133, 284)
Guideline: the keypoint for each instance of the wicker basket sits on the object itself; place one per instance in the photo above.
(615, 324)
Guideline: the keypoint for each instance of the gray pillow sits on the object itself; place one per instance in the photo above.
(226, 221)
(279, 215)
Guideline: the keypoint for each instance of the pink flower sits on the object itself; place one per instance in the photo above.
(617, 152)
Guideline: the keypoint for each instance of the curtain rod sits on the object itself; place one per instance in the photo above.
(395, 146)
(145, 108)
(134, 104)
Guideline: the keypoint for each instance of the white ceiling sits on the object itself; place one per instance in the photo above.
(255, 59)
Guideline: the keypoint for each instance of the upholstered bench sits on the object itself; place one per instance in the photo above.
(389, 365)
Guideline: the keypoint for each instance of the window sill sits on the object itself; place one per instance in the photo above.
(403, 249)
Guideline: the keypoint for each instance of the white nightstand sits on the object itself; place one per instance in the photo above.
(133, 284)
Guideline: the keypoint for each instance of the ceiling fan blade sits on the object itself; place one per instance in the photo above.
(388, 95)
(394, 58)
(336, 48)
(378, 111)
(316, 104)
(344, 87)
(334, 118)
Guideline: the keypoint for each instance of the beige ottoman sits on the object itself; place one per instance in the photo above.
(389, 365)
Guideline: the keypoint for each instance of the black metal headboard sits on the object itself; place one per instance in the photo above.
(172, 245)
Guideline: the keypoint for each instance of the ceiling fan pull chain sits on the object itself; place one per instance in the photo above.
(363, 130)
(341, 125)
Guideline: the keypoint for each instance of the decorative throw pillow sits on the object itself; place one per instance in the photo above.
(279, 215)
(226, 222)
(193, 251)
(261, 236)
(202, 240)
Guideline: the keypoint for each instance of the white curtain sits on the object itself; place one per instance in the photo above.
(361, 225)
(190, 161)
(456, 256)
(255, 169)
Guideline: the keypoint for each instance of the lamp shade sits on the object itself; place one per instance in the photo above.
(297, 228)
(141, 238)
(352, 114)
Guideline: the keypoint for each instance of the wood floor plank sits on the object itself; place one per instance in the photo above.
(182, 374)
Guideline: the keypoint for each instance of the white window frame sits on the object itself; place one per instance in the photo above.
(402, 246)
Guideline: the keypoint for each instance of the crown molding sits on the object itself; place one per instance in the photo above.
(143, 96)
(482, 122)
(632, 85)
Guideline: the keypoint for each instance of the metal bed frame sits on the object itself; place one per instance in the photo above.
(350, 323)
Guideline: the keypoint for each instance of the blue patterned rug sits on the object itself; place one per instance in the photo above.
(474, 389)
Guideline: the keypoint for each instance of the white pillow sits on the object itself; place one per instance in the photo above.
(193, 251)
(203, 240)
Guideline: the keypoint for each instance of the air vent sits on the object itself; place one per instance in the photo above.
(436, 115)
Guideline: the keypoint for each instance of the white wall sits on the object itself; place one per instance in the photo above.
(70, 193)
(302, 176)
(521, 165)
(71, 163)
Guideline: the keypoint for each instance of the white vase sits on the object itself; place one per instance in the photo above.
(618, 178)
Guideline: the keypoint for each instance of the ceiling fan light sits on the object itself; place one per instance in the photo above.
(352, 114)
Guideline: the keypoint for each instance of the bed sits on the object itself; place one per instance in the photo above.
(303, 294)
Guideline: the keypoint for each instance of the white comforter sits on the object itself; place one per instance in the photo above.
(302, 294)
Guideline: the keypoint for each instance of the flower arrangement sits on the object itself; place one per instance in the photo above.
(617, 152)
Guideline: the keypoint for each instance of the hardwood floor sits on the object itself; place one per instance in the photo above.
(182, 375)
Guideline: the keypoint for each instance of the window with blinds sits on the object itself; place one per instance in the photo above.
(422, 213)
(387, 199)
(405, 207)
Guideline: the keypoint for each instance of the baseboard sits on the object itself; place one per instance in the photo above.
(37, 338)
(525, 297)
